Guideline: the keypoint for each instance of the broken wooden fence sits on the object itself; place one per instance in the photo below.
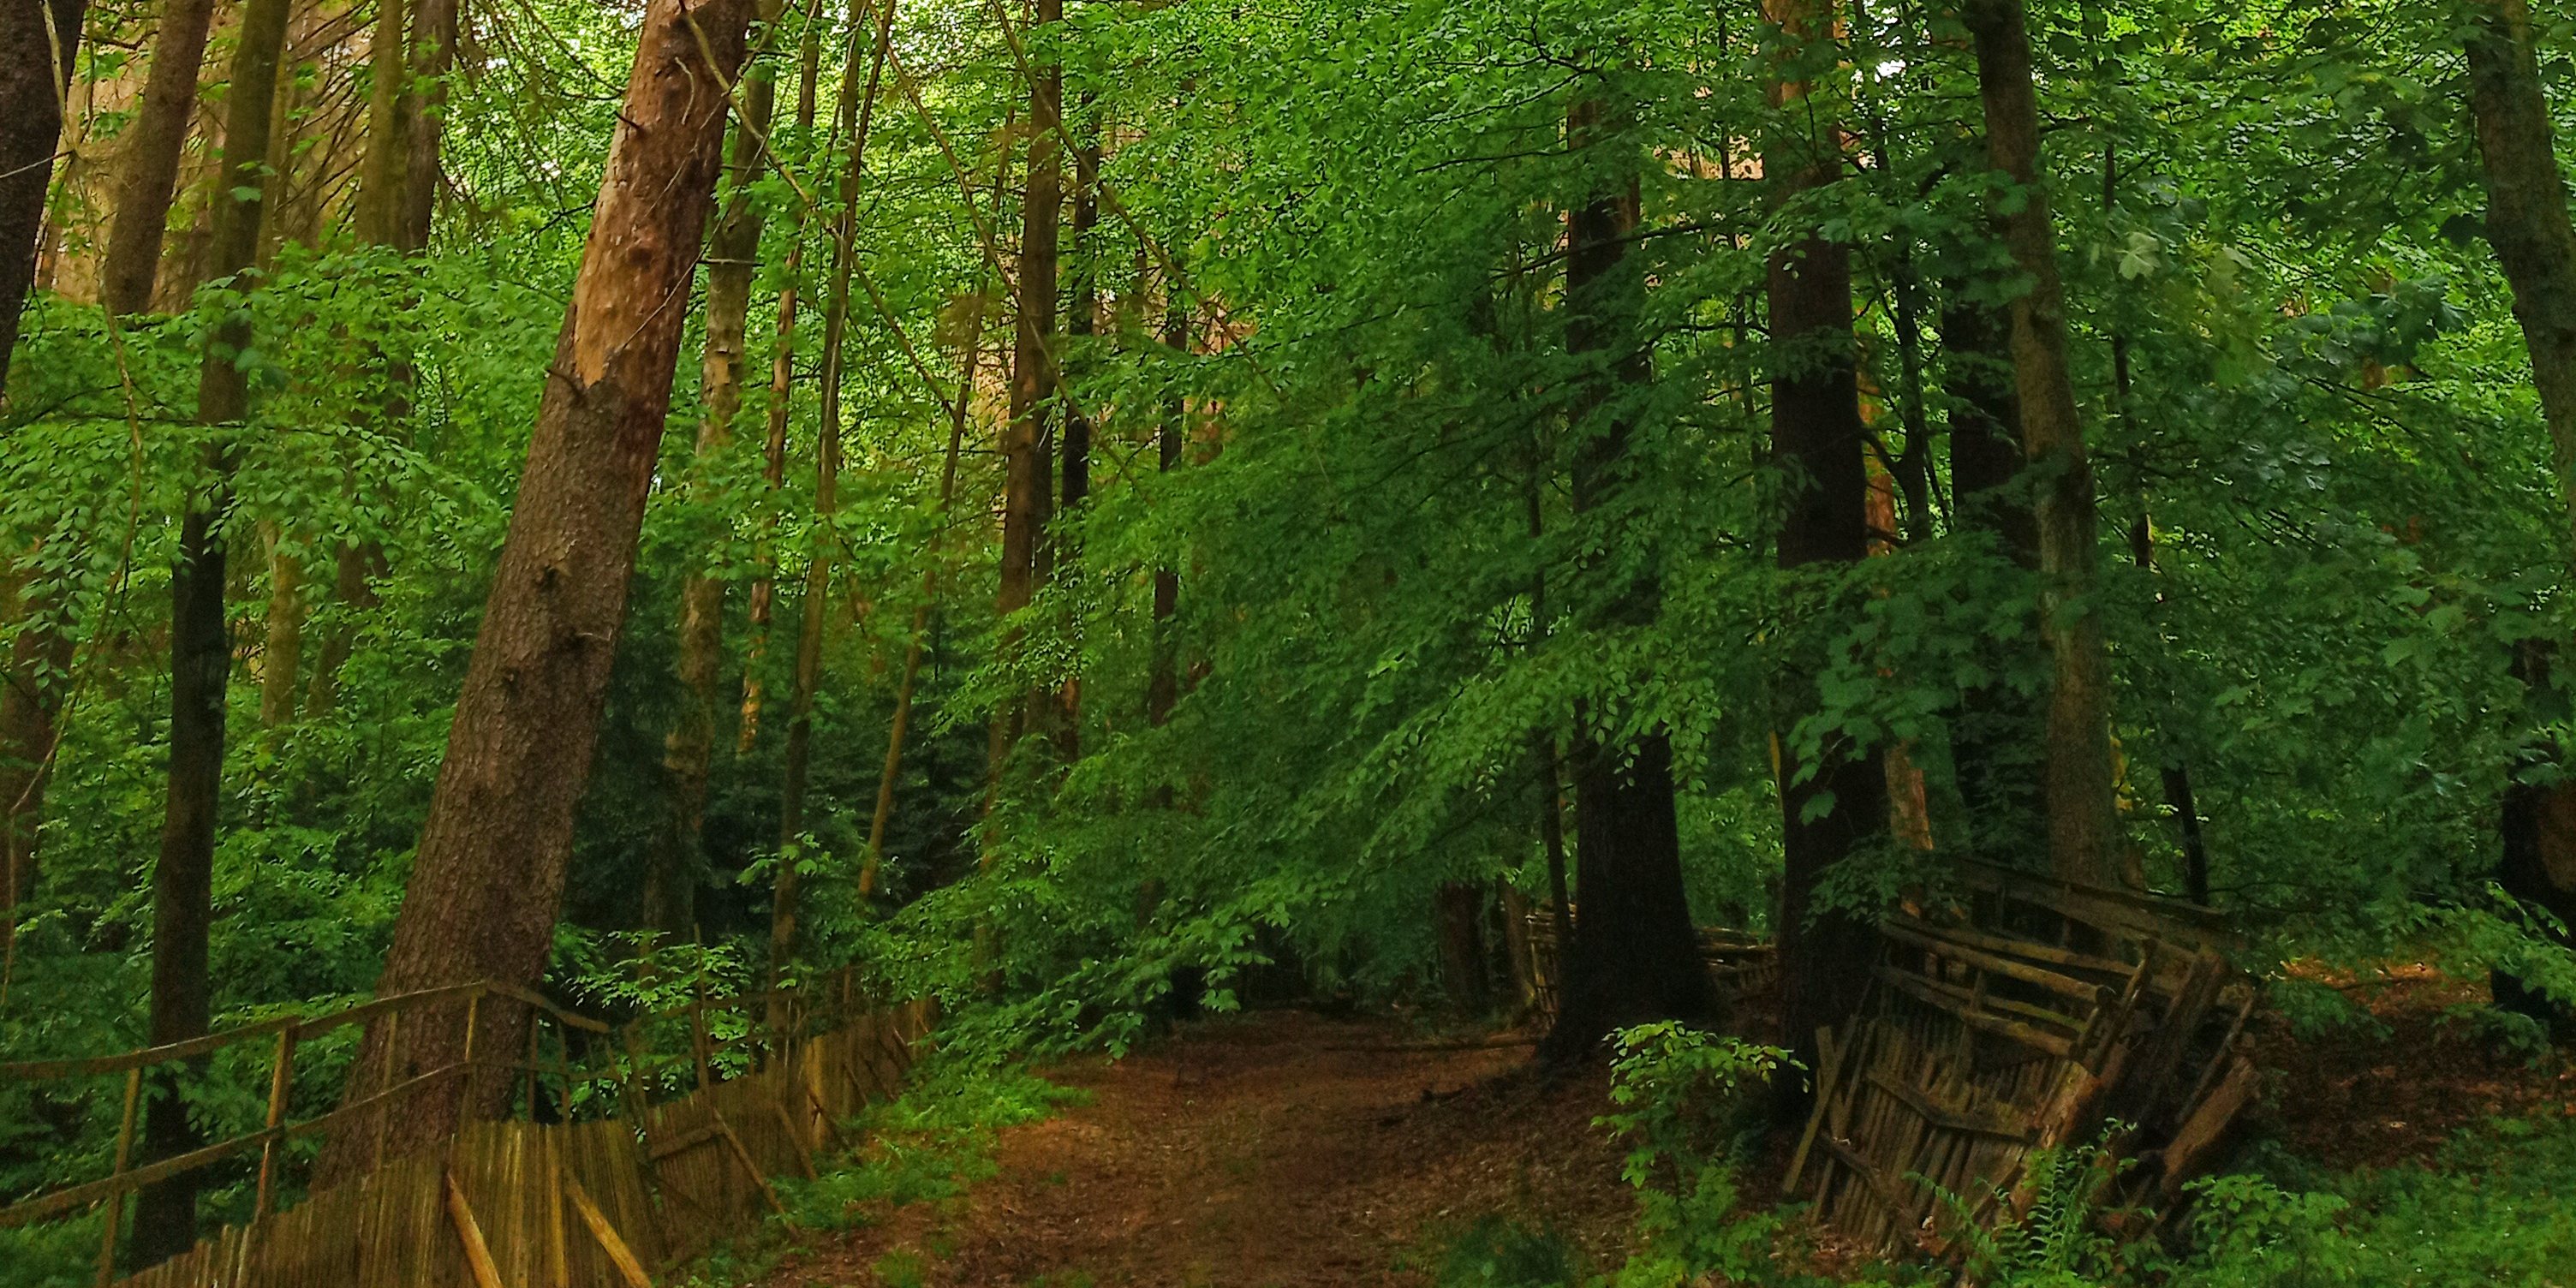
(605, 1175)
(2018, 1015)
(1740, 963)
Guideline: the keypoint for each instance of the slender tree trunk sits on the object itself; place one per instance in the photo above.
(2083, 824)
(424, 107)
(2535, 245)
(1998, 733)
(733, 254)
(1027, 500)
(282, 657)
(488, 880)
(165, 1214)
(858, 110)
(1837, 805)
(386, 165)
(782, 383)
(1163, 682)
(148, 174)
(38, 39)
(1079, 325)
(1634, 955)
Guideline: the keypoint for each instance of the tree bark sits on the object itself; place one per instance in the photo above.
(1998, 732)
(2535, 245)
(1634, 956)
(782, 381)
(38, 39)
(424, 104)
(1027, 494)
(148, 176)
(733, 255)
(488, 880)
(858, 111)
(165, 1222)
(2083, 824)
(1837, 805)
(1458, 910)
(1163, 681)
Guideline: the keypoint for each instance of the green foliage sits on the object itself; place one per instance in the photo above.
(1690, 1103)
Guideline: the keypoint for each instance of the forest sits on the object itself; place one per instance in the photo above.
(1518, 643)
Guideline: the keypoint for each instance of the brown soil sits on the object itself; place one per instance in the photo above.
(1279, 1150)
(2359, 1097)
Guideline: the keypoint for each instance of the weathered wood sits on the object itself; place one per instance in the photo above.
(281, 1079)
(619, 1255)
(124, 1152)
(2029, 1035)
(478, 1256)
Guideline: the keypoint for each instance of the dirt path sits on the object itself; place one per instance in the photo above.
(1278, 1150)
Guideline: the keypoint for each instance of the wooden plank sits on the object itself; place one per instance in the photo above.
(1997, 963)
(281, 1079)
(628, 1268)
(478, 1256)
(1829, 1059)
(748, 1165)
(2026, 1034)
(44, 1070)
(124, 1152)
(1947, 1119)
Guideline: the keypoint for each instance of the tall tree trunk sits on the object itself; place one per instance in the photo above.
(1163, 681)
(733, 254)
(1634, 955)
(165, 1214)
(1998, 733)
(424, 108)
(38, 39)
(1027, 496)
(488, 880)
(1080, 323)
(2083, 823)
(387, 163)
(782, 382)
(148, 174)
(1838, 804)
(1458, 912)
(2535, 245)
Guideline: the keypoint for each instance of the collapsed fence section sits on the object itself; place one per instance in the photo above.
(633, 1159)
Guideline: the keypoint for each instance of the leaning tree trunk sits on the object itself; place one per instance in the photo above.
(165, 1221)
(1634, 955)
(489, 876)
(2535, 245)
(148, 172)
(2083, 823)
(733, 254)
(37, 41)
(1833, 807)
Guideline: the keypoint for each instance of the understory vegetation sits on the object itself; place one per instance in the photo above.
(1095, 514)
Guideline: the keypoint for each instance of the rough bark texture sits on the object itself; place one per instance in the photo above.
(433, 53)
(1998, 732)
(201, 652)
(31, 124)
(733, 254)
(1634, 955)
(1838, 804)
(2535, 245)
(2083, 826)
(148, 175)
(488, 880)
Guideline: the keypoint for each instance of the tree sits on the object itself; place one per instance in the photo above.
(1635, 955)
(488, 878)
(2535, 245)
(38, 40)
(1831, 806)
(201, 642)
(149, 176)
(2083, 827)
(1028, 449)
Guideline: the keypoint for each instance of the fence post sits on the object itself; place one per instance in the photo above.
(115, 1202)
(281, 1080)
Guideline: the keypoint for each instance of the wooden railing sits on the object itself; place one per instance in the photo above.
(801, 1060)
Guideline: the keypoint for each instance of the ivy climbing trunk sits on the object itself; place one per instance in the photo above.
(148, 172)
(2083, 824)
(488, 880)
(38, 39)
(165, 1214)
(1634, 956)
(733, 255)
(1834, 803)
(2535, 245)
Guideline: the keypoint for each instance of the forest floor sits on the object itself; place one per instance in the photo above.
(1279, 1149)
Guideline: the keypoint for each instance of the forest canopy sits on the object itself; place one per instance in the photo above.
(1089, 511)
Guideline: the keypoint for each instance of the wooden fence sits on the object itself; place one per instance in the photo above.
(606, 1174)
(2022, 1014)
(1740, 963)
